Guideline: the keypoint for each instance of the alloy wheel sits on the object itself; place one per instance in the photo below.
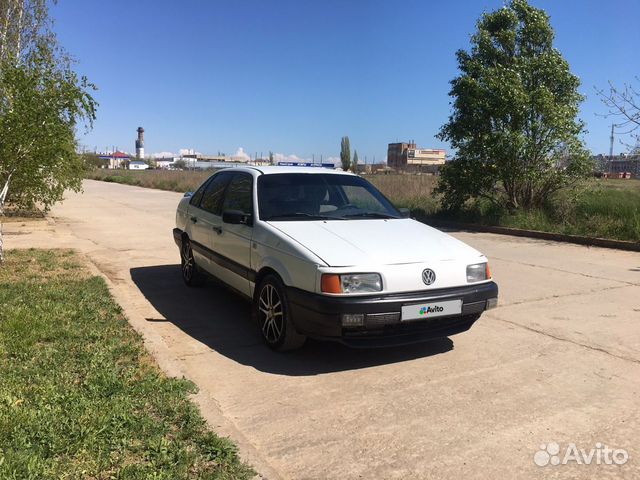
(271, 313)
(188, 263)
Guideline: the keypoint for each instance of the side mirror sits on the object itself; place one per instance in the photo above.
(404, 213)
(236, 217)
(188, 194)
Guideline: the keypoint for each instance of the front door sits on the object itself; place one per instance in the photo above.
(233, 241)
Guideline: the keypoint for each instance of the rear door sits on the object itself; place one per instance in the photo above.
(233, 242)
(204, 216)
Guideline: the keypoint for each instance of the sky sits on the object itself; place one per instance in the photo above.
(293, 76)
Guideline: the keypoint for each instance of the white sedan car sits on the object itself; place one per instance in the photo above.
(323, 254)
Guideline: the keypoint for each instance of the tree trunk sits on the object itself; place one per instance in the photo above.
(19, 30)
(3, 196)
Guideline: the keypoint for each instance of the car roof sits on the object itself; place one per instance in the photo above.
(273, 169)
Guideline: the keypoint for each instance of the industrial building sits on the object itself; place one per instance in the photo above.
(407, 156)
(618, 166)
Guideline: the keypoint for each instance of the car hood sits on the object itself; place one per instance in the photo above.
(341, 243)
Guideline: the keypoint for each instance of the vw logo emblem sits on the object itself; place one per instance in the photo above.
(428, 276)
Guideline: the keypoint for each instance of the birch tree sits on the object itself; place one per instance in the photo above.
(42, 102)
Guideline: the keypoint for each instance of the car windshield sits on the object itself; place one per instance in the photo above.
(320, 196)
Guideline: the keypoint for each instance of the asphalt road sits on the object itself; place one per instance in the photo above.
(558, 361)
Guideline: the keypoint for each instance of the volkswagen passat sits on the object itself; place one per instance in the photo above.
(323, 254)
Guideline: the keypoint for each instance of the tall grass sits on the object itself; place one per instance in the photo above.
(411, 191)
(176, 181)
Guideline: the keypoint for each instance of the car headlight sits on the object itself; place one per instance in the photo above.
(351, 283)
(478, 272)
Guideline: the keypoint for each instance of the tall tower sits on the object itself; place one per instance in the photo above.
(140, 143)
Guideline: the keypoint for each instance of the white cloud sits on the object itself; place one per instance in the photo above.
(163, 155)
(241, 155)
(281, 157)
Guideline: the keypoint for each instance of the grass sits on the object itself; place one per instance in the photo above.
(175, 181)
(79, 395)
(603, 209)
(607, 208)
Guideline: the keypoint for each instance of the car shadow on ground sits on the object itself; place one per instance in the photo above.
(220, 319)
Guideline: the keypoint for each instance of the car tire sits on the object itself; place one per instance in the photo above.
(191, 273)
(271, 309)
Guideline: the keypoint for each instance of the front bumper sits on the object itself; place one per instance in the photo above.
(320, 316)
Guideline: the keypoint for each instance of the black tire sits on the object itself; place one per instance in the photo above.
(191, 274)
(271, 309)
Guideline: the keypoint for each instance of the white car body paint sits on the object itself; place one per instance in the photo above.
(301, 251)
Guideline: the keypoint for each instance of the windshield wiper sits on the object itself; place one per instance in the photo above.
(308, 216)
(370, 215)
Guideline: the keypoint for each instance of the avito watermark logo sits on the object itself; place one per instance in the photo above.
(552, 454)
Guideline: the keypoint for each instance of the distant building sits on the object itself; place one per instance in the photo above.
(138, 165)
(407, 156)
(116, 159)
(618, 165)
(164, 162)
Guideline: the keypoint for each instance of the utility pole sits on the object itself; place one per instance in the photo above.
(610, 149)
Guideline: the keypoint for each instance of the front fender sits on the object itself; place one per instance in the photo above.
(294, 271)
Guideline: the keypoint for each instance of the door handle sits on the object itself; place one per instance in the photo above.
(218, 230)
(194, 219)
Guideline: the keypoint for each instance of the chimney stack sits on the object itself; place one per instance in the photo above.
(140, 144)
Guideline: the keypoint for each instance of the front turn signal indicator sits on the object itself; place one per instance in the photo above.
(330, 283)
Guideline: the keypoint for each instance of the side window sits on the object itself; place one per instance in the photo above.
(212, 196)
(239, 195)
(197, 197)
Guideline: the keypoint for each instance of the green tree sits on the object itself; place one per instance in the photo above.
(270, 158)
(345, 153)
(42, 103)
(180, 165)
(93, 160)
(354, 163)
(514, 122)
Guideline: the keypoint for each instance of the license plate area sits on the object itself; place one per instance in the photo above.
(427, 310)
